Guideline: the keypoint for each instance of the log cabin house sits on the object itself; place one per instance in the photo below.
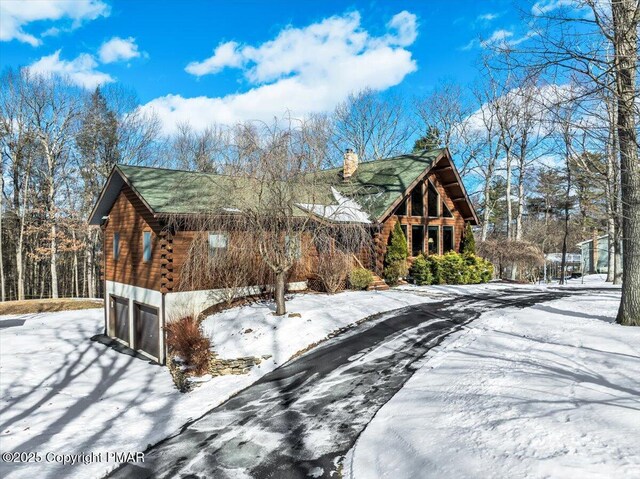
(143, 256)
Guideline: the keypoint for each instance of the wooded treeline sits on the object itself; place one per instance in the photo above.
(59, 144)
(546, 140)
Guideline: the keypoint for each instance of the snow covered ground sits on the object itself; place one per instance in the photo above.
(253, 330)
(64, 394)
(548, 391)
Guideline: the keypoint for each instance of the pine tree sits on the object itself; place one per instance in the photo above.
(468, 245)
(397, 250)
(429, 141)
(97, 140)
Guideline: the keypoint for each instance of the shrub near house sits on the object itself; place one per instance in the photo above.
(451, 268)
(395, 260)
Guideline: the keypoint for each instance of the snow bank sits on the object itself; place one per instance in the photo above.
(253, 330)
(62, 393)
(548, 391)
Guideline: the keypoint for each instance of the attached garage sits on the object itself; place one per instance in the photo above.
(134, 317)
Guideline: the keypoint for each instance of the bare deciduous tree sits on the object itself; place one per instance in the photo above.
(373, 127)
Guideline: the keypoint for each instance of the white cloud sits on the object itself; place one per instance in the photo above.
(547, 6)
(499, 36)
(405, 25)
(118, 49)
(225, 55)
(536, 103)
(80, 71)
(468, 46)
(487, 17)
(302, 70)
(17, 14)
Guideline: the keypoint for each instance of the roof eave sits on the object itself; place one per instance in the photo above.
(474, 221)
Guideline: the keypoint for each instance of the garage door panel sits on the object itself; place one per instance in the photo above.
(147, 330)
(120, 315)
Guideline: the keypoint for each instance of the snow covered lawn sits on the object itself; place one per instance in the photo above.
(548, 391)
(64, 394)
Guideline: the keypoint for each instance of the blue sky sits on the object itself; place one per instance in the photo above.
(203, 61)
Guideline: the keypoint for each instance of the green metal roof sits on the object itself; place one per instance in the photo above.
(375, 185)
(177, 191)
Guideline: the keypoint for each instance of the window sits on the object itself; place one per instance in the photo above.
(417, 201)
(402, 209)
(405, 233)
(116, 245)
(146, 246)
(293, 246)
(417, 240)
(433, 236)
(446, 212)
(433, 199)
(447, 239)
(217, 242)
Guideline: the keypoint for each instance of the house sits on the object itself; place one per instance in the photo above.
(595, 254)
(144, 256)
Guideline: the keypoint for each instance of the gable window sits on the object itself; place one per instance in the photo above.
(116, 245)
(446, 212)
(447, 239)
(402, 209)
(433, 200)
(417, 201)
(146, 246)
(433, 235)
(217, 242)
(417, 239)
(405, 233)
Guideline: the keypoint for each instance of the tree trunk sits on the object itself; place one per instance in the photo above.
(567, 213)
(626, 18)
(3, 294)
(91, 268)
(611, 250)
(84, 276)
(520, 210)
(612, 189)
(76, 272)
(279, 294)
(53, 261)
(20, 265)
(508, 194)
(486, 211)
(617, 270)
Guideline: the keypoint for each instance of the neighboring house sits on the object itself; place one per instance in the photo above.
(595, 254)
(553, 265)
(143, 256)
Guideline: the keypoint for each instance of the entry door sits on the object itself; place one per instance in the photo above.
(120, 318)
(147, 330)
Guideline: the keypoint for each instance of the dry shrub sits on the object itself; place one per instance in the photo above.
(185, 339)
(524, 255)
(332, 269)
(231, 270)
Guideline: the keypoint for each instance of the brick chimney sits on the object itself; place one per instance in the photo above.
(350, 163)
